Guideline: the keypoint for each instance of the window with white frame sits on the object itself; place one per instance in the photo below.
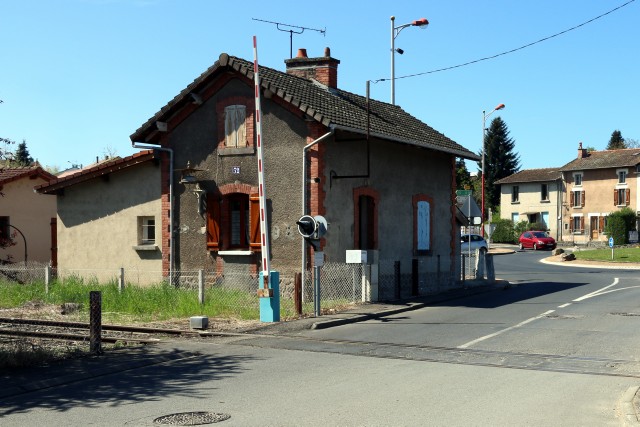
(622, 176)
(544, 192)
(621, 196)
(515, 194)
(234, 126)
(577, 179)
(146, 230)
(577, 198)
(577, 223)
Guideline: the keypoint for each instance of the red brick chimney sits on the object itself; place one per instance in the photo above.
(582, 152)
(323, 69)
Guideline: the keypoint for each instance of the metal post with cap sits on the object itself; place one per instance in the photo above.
(420, 23)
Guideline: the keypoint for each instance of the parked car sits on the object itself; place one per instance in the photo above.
(477, 242)
(536, 240)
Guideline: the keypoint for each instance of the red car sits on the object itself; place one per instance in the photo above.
(536, 240)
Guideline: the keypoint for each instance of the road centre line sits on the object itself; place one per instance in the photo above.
(486, 337)
(596, 293)
(564, 305)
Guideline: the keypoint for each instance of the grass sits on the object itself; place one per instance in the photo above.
(619, 255)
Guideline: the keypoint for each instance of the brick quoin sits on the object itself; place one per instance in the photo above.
(165, 212)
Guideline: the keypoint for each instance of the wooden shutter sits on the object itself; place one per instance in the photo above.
(581, 224)
(601, 223)
(213, 222)
(572, 198)
(615, 197)
(627, 196)
(229, 128)
(582, 199)
(254, 220)
(241, 133)
(571, 225)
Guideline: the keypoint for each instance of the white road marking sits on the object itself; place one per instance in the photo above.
(596, 293)
(486, 337)
(564, 305)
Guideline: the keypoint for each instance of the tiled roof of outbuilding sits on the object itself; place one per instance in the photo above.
(8, 174)
(532, 175)
(605, 159)
(329, 106)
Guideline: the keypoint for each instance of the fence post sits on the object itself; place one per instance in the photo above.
(95, 322)
(297, 293)
(201, 287)
(398, 277)
(121, 280)
(438, 273)
(463, 267)
(47, 279)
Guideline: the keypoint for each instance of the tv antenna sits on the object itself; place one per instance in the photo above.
(293, 29)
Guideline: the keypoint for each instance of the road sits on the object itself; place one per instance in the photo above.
(559, 347)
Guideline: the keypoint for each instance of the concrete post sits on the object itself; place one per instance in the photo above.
(121, 280)
(201, 287)
(480, 263)
(491, 271)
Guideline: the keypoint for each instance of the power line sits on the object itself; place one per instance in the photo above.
(512, 50)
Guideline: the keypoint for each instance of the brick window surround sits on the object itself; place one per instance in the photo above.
(249, 104)
(375, 197)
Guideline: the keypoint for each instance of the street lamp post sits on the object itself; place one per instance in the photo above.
(484, 121)
(421, 23)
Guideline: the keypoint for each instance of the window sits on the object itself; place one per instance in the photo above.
(4, 229)
(621, 197)
(577, 179)
(233, 222)
(622, 177)
(515, 218)
(577, 224)
(234, 126)
(146, 230)
(515, 196)
(577, 198)
(366, 223)
(544, 192)
(365, 218)
(422, 223)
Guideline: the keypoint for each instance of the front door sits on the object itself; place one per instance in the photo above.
(594, 228)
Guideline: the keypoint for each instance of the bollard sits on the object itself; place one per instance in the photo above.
(398, 277)
(121, 280)
(297, 293)
(95, 322)
(47, 279)
(462, 269)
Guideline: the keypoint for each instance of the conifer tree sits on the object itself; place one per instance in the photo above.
(22, 156)
(617, 141)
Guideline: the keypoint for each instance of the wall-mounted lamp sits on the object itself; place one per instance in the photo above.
(188, 179)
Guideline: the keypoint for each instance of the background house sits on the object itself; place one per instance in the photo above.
(597, 184)
(391, 192)
(534, 196)
(24, 211)
(107, 216)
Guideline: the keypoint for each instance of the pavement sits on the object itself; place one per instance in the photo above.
(125, 359)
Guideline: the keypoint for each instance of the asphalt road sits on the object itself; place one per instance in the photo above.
(559, 347)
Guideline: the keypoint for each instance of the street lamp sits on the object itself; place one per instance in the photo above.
(420, 23)
(484, 120)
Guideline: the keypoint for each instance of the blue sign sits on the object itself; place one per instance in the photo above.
(610, 242)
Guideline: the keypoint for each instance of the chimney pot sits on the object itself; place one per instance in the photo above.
(302, 53)
(327, 52)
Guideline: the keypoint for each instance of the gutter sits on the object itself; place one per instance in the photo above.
(304, 195)
(147, 146)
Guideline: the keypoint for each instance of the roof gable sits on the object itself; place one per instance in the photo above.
(12, 174)
(605, 159)
(331, 107)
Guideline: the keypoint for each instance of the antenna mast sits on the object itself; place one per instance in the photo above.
(299, 30)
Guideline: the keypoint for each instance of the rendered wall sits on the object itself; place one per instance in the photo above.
(31, 213)
(530, 201)
(98, 226)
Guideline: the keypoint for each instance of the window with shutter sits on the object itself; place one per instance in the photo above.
(254, 218)
(582, 196)
(581, 224)
(627, 197)
(234, 126)
(213, 222)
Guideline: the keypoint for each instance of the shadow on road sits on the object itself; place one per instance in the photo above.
(119, 379)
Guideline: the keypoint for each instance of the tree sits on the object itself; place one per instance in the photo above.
(463, 177)
(499, 158)
(632, 143)
(22, 156)
(617, 141)
(5, 153)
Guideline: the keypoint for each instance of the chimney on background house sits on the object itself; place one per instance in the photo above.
(582, 152)
(323, 69)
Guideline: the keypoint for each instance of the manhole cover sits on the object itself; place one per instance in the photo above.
(191, 418)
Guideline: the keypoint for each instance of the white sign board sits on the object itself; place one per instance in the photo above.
(633, 236)
(356, 256)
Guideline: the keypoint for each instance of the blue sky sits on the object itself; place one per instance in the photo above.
(79, 76)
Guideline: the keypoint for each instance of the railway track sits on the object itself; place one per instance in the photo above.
(77, 331)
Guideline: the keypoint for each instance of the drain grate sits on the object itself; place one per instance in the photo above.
(191, 418)
(626, 314)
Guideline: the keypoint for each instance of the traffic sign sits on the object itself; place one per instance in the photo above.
(610, 242)
(463, 192)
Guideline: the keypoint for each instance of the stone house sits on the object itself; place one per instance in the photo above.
(534, 196)
(384, 180)
(27, 218)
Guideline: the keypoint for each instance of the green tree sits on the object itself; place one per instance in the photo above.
(463, 177)
(617, 141)
(22, 156)
(500, 160)
(619, 224)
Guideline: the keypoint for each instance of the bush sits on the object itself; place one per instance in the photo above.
(619, 224)
(539, 226)
(504, 232)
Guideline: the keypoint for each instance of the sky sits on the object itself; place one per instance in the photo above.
(77, 77)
